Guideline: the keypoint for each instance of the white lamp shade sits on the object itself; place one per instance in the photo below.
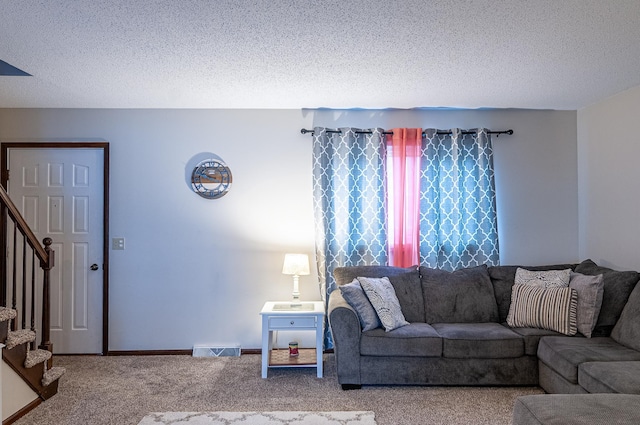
(296, 264)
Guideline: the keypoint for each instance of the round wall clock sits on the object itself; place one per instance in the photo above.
(211, 179)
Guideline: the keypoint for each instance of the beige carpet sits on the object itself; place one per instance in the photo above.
(259, 418)
(123, 390)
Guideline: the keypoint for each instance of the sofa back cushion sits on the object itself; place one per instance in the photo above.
(502, 278)
(462, 296)
(405, 281)
(617, 288)
(627, 329)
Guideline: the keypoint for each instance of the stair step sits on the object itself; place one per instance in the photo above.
(52, 374)
(35, 357)
(18, 337)
(7, 314)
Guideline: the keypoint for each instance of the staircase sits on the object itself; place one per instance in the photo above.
(23, 261)
(32, 365)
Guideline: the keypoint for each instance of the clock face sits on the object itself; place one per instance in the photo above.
(211, 179)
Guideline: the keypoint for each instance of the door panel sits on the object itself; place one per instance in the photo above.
(60, 192)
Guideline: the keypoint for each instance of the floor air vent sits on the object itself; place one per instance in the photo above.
(211, 351)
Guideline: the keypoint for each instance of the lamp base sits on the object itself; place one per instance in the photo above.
(296, 292)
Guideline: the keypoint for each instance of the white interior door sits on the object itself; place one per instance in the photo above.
(59, 192)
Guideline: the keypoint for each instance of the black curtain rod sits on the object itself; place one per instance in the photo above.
(497, 133)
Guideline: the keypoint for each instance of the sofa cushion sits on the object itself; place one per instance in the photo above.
(617, 288)
(346, 274)
(610, 377)
(355, 296)
(627, 329)
(564, 354)
(502, 278)
(545, 308)
(479, 341)
(413, 340)
(553, 383)
(384, 300)
(532, 338)
(462, 296)
(590, 290)
(406, 283)
(543, 278)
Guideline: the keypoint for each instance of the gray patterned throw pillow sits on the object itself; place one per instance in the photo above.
(544, 278)
(384, 300)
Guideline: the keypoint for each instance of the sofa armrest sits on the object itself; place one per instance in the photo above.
(346, 331)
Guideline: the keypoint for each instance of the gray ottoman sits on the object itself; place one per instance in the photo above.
(577, 409)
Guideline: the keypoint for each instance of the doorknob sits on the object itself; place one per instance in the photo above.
(94, 267)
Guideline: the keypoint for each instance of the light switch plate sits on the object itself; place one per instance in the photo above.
(117, 243)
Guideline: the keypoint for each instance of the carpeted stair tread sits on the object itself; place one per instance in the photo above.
(7, 314)
(52, 374)
(18, 337)
(35, 357)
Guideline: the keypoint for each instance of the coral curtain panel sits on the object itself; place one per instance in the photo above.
(404, 148)
(349, 196)
(458, 219)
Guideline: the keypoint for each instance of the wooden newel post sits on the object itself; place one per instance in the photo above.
(46, 343)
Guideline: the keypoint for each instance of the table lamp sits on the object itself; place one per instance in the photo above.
(296, 265)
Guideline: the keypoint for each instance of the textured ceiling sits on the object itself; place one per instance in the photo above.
(551, 54)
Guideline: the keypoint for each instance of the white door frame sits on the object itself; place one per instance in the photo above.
(4, 177)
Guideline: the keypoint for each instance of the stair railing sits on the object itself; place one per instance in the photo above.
(14, 239)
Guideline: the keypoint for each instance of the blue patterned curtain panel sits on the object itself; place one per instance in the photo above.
(458, 221)
(349, 195)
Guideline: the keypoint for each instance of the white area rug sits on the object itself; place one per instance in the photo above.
(259, 418)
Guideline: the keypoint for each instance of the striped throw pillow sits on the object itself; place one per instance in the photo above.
(546, 308)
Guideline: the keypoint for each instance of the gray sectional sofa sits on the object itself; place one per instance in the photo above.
(458, 335)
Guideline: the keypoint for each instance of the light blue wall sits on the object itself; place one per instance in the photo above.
(608, 152)
(197, 271)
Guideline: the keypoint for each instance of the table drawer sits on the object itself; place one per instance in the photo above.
(292, 322)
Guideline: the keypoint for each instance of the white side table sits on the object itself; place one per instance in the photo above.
(279, 316)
